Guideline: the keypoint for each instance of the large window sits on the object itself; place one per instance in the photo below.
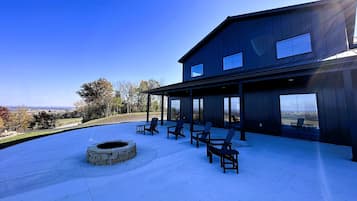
(175, 109)
(294, 46)
(299, 111)
(231, 110)
(198, 109)
(233, 61)
(197, 70)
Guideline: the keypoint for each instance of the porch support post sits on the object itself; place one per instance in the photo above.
(352, 116)
(242, 112)
(148, 108)
(191, 110)
(162, 109)
(229, 112)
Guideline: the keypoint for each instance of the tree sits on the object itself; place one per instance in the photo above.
(20, 120)
(2, 125)
(127, 92)
(98, 96)
(5, 115)
(44, 120)
(117, 103)
(142, 97)
(154, 107)
(99, 91)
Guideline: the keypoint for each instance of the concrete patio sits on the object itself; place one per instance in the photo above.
(271, 168)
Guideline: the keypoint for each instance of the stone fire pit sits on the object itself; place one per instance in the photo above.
(112, 152)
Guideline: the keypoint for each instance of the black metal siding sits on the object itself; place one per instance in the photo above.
(257, 38)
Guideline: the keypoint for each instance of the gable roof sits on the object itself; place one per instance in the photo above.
(259, 14)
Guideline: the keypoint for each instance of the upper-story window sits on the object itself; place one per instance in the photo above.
(294, 46)
(197, 70)
(233, 61)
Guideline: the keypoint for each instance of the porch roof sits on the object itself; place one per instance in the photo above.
(287, 71)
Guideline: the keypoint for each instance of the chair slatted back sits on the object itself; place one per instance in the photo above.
(300, 122)
(153, 123)
(228, 139)
(179, 126)
(207, 129)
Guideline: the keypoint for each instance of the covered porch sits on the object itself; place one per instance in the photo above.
(259, 101)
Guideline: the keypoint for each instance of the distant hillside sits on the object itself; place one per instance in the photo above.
(42, 108)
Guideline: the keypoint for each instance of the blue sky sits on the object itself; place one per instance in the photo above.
(48, 48)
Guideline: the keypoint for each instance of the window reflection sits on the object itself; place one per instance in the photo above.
(231, 110)
(233, 61)
(299, 111)
(175, 109)
(226, 111)
(197, 70)
(198, 109)
(294, 46)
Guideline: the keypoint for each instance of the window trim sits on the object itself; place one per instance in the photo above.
(197, 75)
(235, 68)
(294, 36)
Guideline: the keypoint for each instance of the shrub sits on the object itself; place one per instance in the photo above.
(2, 125)
(44, 120)
(5, 115)
(93, 111)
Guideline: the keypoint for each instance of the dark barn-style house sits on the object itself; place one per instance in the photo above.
(289, 71)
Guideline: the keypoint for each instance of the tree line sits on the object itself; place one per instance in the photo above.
(21, 119)
(101, 98)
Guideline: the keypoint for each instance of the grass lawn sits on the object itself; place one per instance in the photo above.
(63, 122)
(5, 142)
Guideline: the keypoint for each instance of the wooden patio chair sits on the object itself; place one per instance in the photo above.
(202, 135)
(236, 123)
(152, 128)
(299, 123)
(176, 130)
(228, 156)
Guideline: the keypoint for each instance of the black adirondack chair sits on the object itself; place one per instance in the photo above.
(152, 128)
(176, 130)
(202, 135)
(235, 123)
(299, 123)
(228, 156)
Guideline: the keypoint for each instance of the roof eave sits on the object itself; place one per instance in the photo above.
(250, 74)
(248, 16)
